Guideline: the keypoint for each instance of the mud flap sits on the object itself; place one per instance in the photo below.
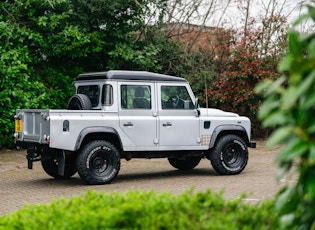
(61, 158)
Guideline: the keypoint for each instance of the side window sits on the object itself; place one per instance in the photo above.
(107, 95)
(92, 91)
(135, 96)
(175, 97)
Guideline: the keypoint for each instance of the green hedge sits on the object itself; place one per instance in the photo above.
(144, 210)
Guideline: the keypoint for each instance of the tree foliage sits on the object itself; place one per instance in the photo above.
(252, 59)
(290, 108)
(45, 44)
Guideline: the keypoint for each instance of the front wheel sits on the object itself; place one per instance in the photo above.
(230, 155)
(98, 162)
(184, 164)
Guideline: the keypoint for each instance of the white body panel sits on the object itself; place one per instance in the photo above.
(147, 133)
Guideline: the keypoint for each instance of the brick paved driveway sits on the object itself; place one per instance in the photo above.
(20, 186)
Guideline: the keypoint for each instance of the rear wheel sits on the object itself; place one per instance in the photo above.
(184, 164)
(230, 155)
(50, 166)
(98, 162)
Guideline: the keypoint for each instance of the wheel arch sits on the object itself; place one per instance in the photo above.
(98, 133)
(228, 129)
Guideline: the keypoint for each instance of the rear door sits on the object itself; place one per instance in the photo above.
(137, 115)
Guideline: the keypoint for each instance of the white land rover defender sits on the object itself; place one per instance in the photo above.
(131, 114)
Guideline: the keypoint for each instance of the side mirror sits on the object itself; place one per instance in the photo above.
(197, 107)
(196, 103)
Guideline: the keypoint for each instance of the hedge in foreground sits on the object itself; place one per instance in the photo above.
(144, 210)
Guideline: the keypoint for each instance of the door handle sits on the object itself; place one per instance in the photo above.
(167, 124)
(129, 124)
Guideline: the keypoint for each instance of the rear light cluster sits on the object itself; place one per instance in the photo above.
(16, 136)
(46, 138)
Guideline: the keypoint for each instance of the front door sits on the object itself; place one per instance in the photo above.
(137, 116)
(178, 123)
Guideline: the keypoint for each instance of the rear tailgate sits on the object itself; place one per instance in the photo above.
(32, 125)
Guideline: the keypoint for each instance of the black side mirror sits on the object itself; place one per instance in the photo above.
(196, 103)
(197, 107)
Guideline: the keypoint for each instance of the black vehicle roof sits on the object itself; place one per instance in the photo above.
(129, 75)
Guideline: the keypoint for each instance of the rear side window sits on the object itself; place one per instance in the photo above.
(135, 96)
(92, 91)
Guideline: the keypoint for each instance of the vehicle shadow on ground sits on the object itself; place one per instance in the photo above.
(165, 174)
(126, 177)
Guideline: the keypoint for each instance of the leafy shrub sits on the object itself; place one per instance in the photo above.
(251, 60)
(143, 210)
(45, 44)
(290, 107)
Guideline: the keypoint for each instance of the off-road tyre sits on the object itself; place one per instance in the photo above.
(79, 102)
(230, 155)
(184, 164)
(98, 162)
(50, 166)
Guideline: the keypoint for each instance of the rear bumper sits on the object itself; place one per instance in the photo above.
(31, 145)
(251, 144)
